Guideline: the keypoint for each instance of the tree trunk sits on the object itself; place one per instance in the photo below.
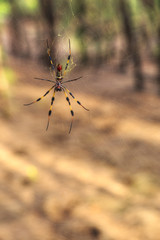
(48, 13)
(81, 29)
(132, 45)
(154, 6)
(16, 48)
(158, 59)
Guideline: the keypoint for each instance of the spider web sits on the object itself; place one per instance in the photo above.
(62, 51)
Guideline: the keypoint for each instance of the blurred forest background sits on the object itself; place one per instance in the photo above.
(101, 181)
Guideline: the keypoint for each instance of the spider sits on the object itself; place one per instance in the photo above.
(59, 85)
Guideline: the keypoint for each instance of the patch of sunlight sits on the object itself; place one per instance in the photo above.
(32, 173)
(145, 184)
(106, 179)
(141, 130)
(10, 75)
(15, 164)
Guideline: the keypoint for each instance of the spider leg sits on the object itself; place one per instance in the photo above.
(72, 113)
(75, 99)
(50, 110)
(71, 80)
(40, 97)
(49, 55)
(48, 80)
(69, 57)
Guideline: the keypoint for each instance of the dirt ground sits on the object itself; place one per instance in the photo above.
(99, 182)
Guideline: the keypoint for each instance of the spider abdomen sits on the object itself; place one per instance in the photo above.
(58, 89)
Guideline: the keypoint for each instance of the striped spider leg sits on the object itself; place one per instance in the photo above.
(75, 99)
(69, 57)
(71, 111)
(68, 100)
(50, 110)
(49, 55)
(27, 104)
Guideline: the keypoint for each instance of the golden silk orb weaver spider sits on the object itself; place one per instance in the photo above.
(59, 85)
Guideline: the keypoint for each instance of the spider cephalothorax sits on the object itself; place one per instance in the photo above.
(58, 85)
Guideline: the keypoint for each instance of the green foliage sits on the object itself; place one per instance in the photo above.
(25, 7)
(95, 23)
(157, 4)
(28, 6)
(5, 9)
